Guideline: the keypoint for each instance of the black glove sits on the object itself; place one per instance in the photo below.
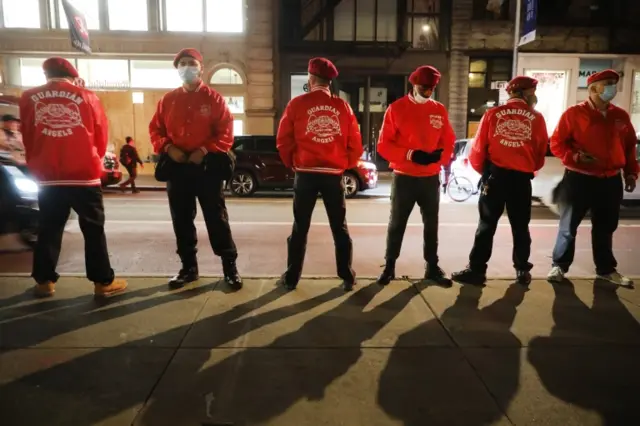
(425, 158)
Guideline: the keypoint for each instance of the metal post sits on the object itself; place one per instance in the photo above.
(366, 122)
(516, 38)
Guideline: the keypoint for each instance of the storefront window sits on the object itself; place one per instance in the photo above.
(102, 74)
(225, 16)
(31, 74)
(90, 9)
(235, 104)
(423, 32)
(21, 13)
(238, 127)
(551, 93)
(635, 102)
(477, 74)
(154, 75)
(128, 15)
(184, 15)
(226, 76)
(299, 84)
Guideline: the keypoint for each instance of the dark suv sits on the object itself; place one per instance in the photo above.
(259, 167)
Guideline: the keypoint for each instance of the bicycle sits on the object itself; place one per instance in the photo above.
(460, 188)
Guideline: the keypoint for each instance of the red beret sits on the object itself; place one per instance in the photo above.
(60, 66)
(603, 75)
(521, 82)
(425, 76)
(323, 68)
(191, 52)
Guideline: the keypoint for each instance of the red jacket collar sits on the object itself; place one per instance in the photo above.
(324, 89)
(516, 100)
(200, 86)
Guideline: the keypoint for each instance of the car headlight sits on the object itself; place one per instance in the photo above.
(26, 186)
(367, 165)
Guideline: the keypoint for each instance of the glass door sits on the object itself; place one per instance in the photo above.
(551, 93)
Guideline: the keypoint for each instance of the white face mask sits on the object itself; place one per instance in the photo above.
(419, 98)
(189, 74)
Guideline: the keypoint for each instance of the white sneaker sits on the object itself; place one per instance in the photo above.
(617, 278)
(556, 275)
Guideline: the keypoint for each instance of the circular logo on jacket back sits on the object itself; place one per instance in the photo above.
(323, 123)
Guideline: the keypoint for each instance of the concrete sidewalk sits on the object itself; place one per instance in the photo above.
(405, 354)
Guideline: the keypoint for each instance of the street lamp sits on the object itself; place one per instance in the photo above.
(516, 39)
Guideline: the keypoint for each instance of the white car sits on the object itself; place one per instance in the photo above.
(551, 174)
(460, 166)
(543, 184)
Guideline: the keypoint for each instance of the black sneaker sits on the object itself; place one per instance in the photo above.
(184, 277)
(469, 276)
(523, 277)
(388, 274)
(231, 275)
(347, 286)
(437, 275)
(288, 286)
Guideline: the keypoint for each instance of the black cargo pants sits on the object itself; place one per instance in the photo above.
(602, 196)
(510, 189)
(55, 203)
(188, 183)
(306, 188)
(406, 191)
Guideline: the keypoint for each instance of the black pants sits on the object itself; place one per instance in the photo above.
(602, 196)
(512, 190)
(306, 188)
(56, 203)
(188, 183)
(133, 174)
(406, 191)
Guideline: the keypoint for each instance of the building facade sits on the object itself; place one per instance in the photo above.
(375, 44)
(133, 44)
(574, 38)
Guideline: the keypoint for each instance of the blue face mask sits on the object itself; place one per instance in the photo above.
(189, 74)
(609, 93)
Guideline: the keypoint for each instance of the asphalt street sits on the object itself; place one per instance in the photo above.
(141, 239)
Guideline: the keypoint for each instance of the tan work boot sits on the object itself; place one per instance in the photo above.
(45, 289)
(116, 287)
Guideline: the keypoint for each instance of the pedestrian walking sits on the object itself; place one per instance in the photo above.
(11, 144)
(595, 141)
(417, 139)
(509, 147)
(319, 138)
(193, 125)
(65, 133)
(130, 159)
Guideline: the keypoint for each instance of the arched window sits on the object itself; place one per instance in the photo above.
(230, 84)
(226, 76)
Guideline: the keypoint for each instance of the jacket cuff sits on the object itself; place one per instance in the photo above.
(204, 150)
(409, 154)
(166, 146)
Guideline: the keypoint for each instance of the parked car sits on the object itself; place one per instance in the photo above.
(259, 167)
(460, 165)
(548, 178)
(111, 173)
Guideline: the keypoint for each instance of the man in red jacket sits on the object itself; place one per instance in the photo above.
(65, 134)
(417, 139)
(595, 140)
(319, 138)
(509, 147)
(191, 122)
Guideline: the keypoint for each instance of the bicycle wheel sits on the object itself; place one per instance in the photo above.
(459, 189)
